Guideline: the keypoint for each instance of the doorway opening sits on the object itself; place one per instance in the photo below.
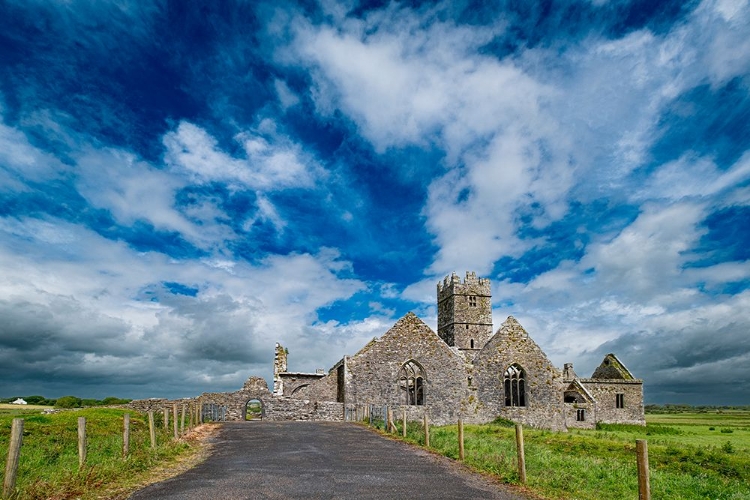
(254, 410)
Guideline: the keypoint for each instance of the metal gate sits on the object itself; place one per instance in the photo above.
(214, 413)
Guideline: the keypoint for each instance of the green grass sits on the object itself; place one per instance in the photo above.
(687, 460)
(48, 465)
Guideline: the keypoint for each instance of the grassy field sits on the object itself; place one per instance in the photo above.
(20, 410)
(48, 466)
(691, 456)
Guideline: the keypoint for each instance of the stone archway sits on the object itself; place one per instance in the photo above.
(254, 409)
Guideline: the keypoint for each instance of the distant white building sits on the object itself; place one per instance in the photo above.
(19, 401)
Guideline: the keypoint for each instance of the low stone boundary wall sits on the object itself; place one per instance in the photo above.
(235, 404)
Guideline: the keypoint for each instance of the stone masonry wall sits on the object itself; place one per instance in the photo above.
(373, 373)
(604, 392)
(273, 408)
(544, 385)
(294, 383)
(323, 389)
(571, 413)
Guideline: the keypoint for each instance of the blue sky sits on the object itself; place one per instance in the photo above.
(183, 184)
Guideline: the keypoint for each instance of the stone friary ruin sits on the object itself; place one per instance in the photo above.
(464, 370)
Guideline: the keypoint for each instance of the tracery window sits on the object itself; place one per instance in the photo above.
(515, 386)
(411, 380)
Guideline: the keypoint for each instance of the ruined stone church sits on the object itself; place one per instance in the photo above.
(464, 370)
(467, 370)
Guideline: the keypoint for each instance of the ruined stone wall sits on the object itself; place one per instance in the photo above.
(293, 383)
(158, 404)
(604, 392)
(304, 409)
(544, 383)
(372, 375)
(571, 415)
(323, 389)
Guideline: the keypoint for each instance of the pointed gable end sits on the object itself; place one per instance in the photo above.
(612, 369)
(512, 329)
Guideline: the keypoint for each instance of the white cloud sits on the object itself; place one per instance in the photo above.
(287, 97)
(133, 190)
(267, 166)
(693, 176)
(21, 162)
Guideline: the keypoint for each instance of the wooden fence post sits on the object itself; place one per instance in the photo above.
(404, 430)
(521, 457)
(151, 430)
(81, 441)
(14, 452)
(174, 421)
(644, 486)
(125, 435)
(166, 419)
(426, 431)
(460, 439)
(182, 420)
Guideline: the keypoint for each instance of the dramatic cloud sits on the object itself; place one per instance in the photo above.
(186, 187)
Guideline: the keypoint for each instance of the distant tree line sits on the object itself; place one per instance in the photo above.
(68, 401)
(683, 408)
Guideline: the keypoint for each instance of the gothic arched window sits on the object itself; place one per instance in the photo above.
(515, 386)
(411, 380)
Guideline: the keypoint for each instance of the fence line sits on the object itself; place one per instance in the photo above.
(373, 415)
(16, 440)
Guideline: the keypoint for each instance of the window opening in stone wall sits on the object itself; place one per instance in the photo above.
(411, 380)
(472, 301)
(515, 386)
(472, 343)
(620, 400)
(580, 415)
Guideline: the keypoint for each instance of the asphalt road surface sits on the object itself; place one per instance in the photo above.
(280, 460)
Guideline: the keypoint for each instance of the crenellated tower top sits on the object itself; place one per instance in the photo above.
(446, 287)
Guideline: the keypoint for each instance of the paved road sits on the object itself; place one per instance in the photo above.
(281, 460)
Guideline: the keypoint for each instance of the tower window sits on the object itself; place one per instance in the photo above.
(619, 400)
(515, 386)
(411, 381)
(472, 343)
(580, 415)
(472, 301)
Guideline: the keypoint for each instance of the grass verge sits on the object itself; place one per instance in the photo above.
(48, 466)
(687, 460)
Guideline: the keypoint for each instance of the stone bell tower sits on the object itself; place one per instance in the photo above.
(465, 311)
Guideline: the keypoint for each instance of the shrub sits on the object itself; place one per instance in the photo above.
(68, 402)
